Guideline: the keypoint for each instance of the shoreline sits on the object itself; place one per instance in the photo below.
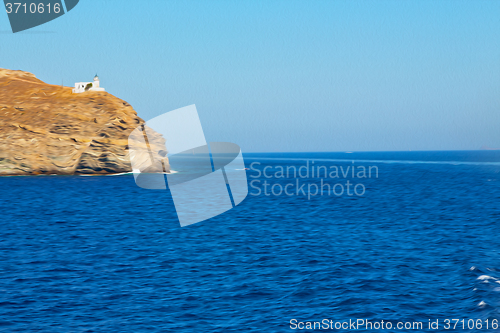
(85, 175)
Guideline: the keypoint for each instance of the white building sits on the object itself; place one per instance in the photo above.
(87, 86)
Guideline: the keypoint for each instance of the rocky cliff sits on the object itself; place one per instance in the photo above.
(46, 129)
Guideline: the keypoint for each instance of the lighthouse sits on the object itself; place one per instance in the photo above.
(81, 87)
(96, 82)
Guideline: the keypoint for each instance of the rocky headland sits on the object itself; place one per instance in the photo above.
(46, 129)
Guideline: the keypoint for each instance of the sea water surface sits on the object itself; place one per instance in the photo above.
(99, 254)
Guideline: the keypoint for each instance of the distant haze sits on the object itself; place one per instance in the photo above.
(287, 75)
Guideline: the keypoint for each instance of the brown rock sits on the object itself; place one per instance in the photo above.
(46, 129)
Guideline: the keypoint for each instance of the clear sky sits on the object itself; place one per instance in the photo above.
(287, 75)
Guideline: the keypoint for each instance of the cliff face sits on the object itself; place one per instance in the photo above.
(46, 129)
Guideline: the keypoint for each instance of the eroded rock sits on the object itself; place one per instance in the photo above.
(46, 129)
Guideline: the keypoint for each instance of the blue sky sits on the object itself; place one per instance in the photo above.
(287, 75)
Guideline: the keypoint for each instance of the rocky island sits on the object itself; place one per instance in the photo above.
(47, 129)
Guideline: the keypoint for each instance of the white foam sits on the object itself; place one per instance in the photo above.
(373, 161)
(485, 277)
(120, 174)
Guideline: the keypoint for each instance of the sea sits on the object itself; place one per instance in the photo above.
(388, 241)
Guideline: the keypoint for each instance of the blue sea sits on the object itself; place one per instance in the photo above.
(418, 242)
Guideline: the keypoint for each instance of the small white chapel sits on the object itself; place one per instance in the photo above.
(81, 87)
